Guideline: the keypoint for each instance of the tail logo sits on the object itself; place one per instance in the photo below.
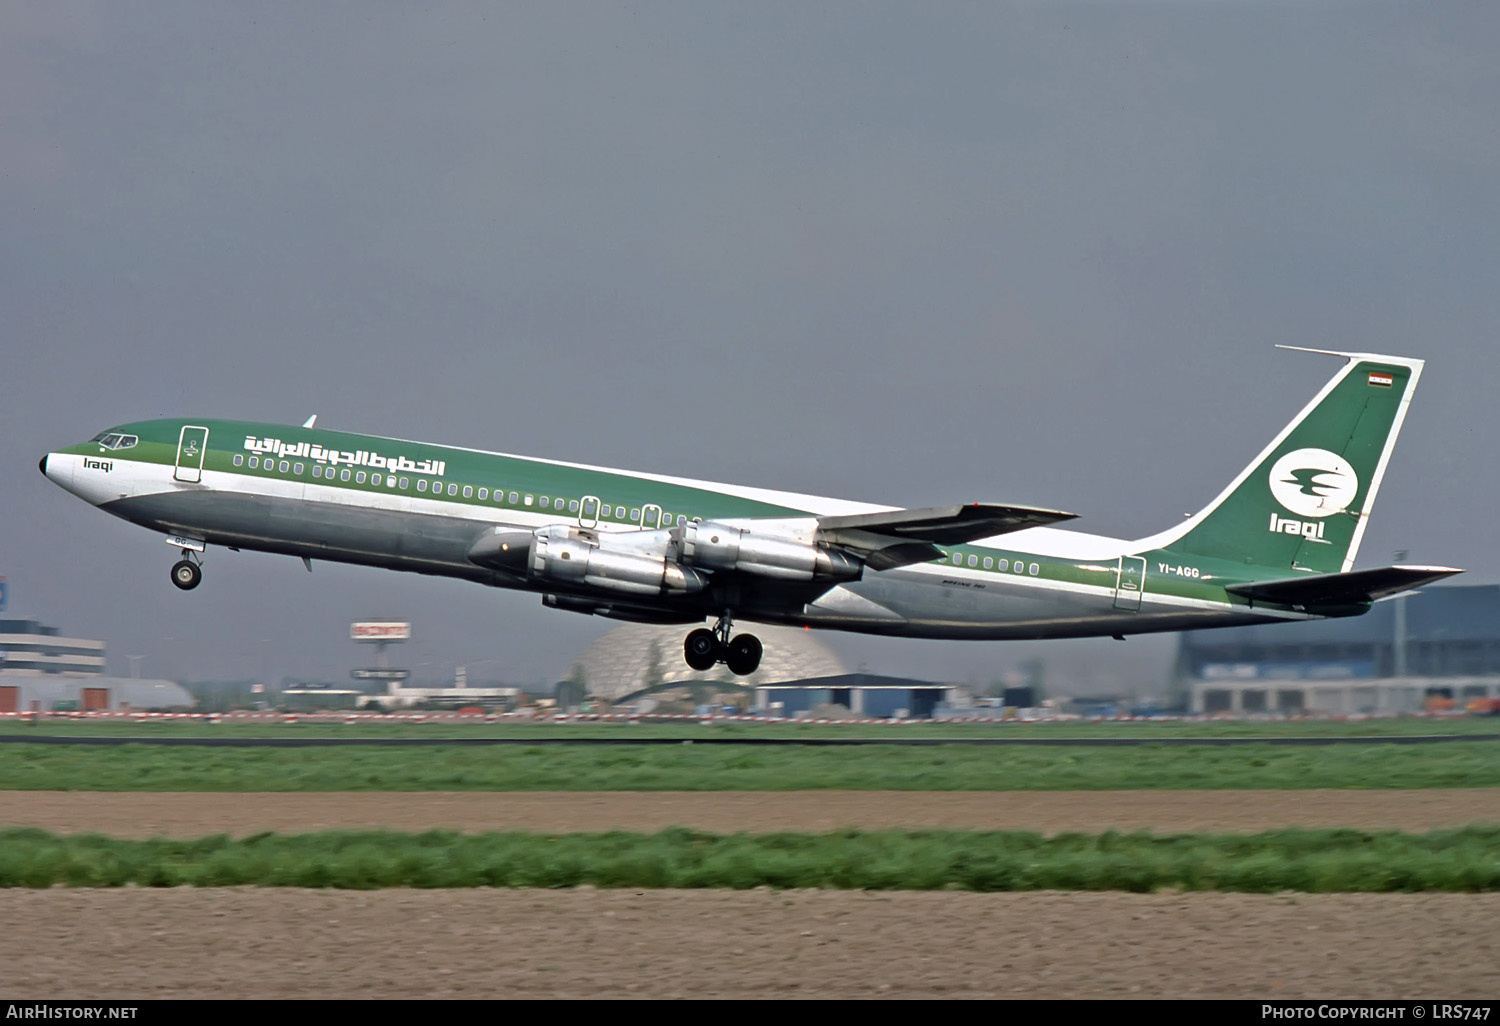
(1313, 482)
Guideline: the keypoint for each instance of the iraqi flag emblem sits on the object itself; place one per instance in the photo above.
(1380, 379)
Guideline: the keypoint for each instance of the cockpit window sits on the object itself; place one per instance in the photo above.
(115, 440)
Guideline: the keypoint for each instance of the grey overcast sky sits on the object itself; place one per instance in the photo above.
(898, 252)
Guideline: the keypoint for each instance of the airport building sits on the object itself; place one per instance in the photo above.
(64, 693)
(43, 671)
(1427, 649)
(865, 695)
(30, 646)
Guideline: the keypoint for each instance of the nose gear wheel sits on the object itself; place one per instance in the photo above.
(186, 574)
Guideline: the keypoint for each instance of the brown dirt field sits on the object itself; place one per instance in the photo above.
(196, 814)
(586, 943)
(250, 943)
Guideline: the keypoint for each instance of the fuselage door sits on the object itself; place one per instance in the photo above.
(1130, 582)
(650, 517)
(192, 446)
(588, 511)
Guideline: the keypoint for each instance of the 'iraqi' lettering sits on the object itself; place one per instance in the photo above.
(1312, 530)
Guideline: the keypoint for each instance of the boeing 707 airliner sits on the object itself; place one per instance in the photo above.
(1277, 544)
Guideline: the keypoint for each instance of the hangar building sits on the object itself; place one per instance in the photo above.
(863, 694)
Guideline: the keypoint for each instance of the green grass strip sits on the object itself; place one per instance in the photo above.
(746, 768)
(1314, 861)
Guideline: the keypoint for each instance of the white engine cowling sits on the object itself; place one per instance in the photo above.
(559, 554)
(715, 546)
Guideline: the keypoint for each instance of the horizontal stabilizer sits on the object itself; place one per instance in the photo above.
(1354, 587)
(899, 537)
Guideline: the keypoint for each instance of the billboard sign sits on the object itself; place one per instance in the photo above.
(380, 630)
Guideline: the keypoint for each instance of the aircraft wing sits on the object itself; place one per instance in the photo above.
(1357, 586)
(902, 536)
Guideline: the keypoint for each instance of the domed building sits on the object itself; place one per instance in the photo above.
(637, 656)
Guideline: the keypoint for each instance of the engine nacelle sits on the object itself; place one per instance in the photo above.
(716, 546)
(559, 554)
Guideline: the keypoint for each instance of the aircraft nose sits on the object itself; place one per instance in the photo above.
(41, 464)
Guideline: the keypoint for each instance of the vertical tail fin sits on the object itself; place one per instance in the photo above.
(1303, 503)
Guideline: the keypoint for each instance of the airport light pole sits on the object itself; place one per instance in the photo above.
(482, 662)
(265, 651)
(1398, 645)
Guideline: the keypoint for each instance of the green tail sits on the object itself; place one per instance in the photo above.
(1304, 502)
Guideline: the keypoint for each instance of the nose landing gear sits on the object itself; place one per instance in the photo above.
(703, 648)
(188, 571)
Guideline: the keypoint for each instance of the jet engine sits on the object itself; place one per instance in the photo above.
(561, 554)
(715, 546)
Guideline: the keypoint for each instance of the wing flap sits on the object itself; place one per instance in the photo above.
(1354, 587)
(899, 537)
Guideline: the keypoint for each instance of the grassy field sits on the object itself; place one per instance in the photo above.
(1296, 860)
(1283, 860)
(696, 767)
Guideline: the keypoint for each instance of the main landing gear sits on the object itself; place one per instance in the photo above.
(188, 571)
(703, 648)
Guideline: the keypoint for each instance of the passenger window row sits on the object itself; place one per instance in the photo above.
(1001, 565)
(606, 512)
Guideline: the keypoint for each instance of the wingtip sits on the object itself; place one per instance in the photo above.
(1038, 510)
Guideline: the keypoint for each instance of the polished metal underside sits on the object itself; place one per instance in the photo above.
(920, 601)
